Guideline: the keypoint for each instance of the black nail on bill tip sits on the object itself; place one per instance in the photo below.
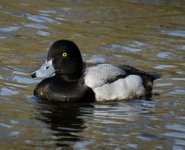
(33, 75)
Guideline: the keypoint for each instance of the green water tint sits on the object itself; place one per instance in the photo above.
(149, 35)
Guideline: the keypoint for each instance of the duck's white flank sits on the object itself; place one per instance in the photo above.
(125, 88)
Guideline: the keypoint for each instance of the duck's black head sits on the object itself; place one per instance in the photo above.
(64, 59)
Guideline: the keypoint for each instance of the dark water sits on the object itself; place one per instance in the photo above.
(147, 34)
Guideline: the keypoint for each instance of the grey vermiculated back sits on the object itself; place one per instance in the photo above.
(98, 75)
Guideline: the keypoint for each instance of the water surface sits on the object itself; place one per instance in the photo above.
(147, 34)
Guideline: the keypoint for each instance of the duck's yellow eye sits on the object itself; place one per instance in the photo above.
(64, 54)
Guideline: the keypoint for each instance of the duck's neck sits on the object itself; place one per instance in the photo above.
(68, 78)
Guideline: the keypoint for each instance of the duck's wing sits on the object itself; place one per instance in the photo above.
(150, 75)
(96, 76)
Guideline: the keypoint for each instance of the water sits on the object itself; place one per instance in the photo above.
(147, 34)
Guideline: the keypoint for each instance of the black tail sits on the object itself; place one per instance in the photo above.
(154, 75)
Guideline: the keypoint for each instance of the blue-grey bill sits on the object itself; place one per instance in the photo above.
(45, 71)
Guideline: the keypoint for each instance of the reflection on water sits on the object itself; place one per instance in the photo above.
(147, 34)
(64, 120)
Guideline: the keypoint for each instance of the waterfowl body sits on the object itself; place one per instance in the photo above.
(67, 78)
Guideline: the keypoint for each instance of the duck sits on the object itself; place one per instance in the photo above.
(67, 78)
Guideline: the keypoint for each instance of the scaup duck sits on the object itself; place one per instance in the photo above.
(68, 78)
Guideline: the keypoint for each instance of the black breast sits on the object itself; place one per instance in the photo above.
(55, 89)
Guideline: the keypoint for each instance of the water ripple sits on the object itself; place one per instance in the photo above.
(163, 84)
(47, 11)
(5, 125)
(178, 79)
(178, 91)
(133, 146)
(40, 19)
(14, 133)
(177, 127)
(8, 29)
(167, 55)
(35, 25)
(164, 66)
(180, 33)
(7, 92)
(147, 137)
(97, 59)
(179, 142)
(181, 47)
(121, 48)
(25, 80)
(43, 33)
(180, 72)
(175, 134)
